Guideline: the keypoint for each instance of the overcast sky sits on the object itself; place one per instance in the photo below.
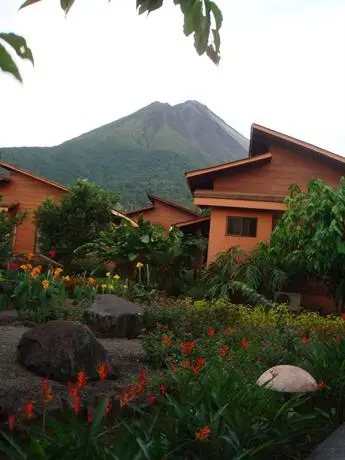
(283, 66)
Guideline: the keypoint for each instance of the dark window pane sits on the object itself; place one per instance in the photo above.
(242, 226)
(234, 226)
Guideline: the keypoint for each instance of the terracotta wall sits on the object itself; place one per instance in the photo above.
(285, 168)
(29, 193)
(220, 242)
(163, 214)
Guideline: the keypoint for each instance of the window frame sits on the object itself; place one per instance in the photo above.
(241, 219)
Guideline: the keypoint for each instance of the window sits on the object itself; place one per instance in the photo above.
(242, 226)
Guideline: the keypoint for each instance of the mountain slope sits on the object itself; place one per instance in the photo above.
(148, 150)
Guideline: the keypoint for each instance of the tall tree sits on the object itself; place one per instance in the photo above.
(310, 239)
(202, 18)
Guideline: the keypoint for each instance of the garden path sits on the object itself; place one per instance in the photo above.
(18, 385)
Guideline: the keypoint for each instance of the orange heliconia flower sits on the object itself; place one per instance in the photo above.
(35, 272)
(203, 433)
(102, 370)
(46, 391)
(244, 343)
(29, 410)
(92, 281)
(224, 351)
(11, 422)
(81, 379)
(211, 331)
(57, 272)
(125, 397)
(73, 390)
(187, 347)
(45, 284)
(167, 340)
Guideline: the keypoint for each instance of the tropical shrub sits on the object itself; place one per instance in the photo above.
(147, 254)
(77, 219)
(310, 240)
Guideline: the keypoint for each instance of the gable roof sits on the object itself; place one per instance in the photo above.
(260, 134)
(154, 198)
(194, 178)
(260, 139)
(9, 167)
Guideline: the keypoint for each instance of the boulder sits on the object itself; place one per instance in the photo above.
(60, 349)
(289, 379)
(111, 316)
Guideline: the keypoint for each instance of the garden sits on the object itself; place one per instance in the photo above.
(208, 335)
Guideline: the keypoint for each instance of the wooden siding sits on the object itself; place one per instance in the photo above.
(220, 242)
(285, 168)
(29, 192)
(163, 214)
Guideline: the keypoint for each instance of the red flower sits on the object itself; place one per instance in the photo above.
(200, 361)
(151, 400)
(211, 331)
(89, 415)
(102, 370)
(223, 351)
(305, 340)
(203, 433)
(73, 390)
(167, 340)
(29, 409)
(187, 347)
(321, 385)
(244, 343)
(163, 389)
(11, 422)
(52, 253)
(81, 379)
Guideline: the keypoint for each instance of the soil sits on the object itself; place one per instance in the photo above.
(18, 385)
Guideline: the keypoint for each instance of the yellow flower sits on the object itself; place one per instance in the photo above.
(110, 287)
(103, 286)
(57, 272)
(66, 278)
(125, 286)
(116, 277)
(139, 265)
(108, 275)
(91, 280)
(29, 255)
(36, 271)
(23, 267)
(45, 284)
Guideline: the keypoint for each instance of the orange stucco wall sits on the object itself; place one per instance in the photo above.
(163, 214)
(29, 192)
(220, 242)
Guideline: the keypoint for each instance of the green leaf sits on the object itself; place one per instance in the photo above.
(19, 45)
(217, 14)
(216, 39)
(66, 5)
(7, 64)
(132, 257)
(145, 239)
(28, 3)
(148, 5)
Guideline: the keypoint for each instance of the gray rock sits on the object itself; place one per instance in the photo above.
(333, 448)
(111, 316)
(60, 349)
